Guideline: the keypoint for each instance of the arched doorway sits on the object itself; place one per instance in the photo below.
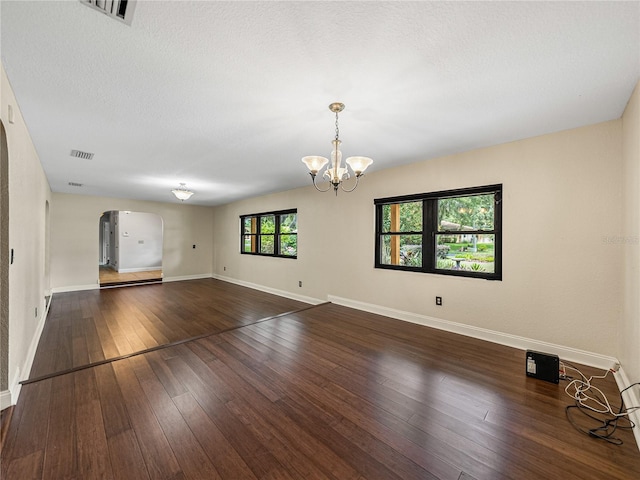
(130, 248)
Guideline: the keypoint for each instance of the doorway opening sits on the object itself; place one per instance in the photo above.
(130, 248)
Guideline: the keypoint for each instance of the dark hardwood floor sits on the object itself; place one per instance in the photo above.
(92, 326)
(323, 392)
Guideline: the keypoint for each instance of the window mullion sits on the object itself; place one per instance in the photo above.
(276, 235)
(254, 234)
(497, 225)
(429, 227)
(395, 239)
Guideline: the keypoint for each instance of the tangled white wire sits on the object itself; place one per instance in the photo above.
(579, 390)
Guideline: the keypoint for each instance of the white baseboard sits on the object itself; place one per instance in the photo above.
(5, 399)
(186, 277)
(141, 269)
(566, 353)
(75, 288)
(15, 387)
(274, 291)
(631, 399)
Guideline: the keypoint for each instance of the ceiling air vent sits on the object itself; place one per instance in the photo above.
(121, 10)
(74, 184)
(83, 155)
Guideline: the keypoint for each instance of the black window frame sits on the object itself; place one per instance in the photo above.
(430, 230)
(276, 235)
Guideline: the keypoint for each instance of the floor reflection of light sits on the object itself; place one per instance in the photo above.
(285, 337)
(441, 402)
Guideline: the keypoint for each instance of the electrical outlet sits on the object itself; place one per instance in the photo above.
(300, 283)
(36, 312)
(224, 268)
(438, 300)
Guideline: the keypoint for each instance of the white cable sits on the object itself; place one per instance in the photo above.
(582, 386)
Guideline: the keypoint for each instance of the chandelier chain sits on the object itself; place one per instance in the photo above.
(337, 128)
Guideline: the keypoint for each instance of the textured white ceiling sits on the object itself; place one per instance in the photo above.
(228, 96)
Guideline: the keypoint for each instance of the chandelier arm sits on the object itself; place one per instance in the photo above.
(354, 187)
(313, 178)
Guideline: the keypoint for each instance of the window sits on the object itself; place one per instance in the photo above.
(456, 232)
(272, 233)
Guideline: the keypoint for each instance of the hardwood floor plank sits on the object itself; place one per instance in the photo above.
(107, 344)
(126, 458)
(94, 346)
(79, 343)
(243, 365)
(159, 458)
(170, 382)
(192, 459)
(114, 410)
(223, 456)
(33, 425)
(28, 467)
(91, 441)
(61, 437)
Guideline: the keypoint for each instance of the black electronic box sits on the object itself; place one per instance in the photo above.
(543, 366)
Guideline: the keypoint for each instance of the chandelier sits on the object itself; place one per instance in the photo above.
(336, 173)
(181, 192)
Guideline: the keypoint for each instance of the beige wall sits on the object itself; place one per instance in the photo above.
(28, 281)
(561, 274)
(75, 238)
(629, 329)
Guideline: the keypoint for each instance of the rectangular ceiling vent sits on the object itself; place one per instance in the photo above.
(121, 10)
(81, 154)
(74, 184)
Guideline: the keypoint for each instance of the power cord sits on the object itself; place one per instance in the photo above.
(593, 403)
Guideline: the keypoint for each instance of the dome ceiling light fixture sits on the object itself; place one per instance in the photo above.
(336, 173)
(182, 193)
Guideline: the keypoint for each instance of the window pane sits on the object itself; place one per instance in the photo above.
(246, 225)
(401, 250)
(268, 224)
(466, 213)
(402, 217)
(472, 253)
(288, 223)
(266, 244)
(289, 245)
(248, 243)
